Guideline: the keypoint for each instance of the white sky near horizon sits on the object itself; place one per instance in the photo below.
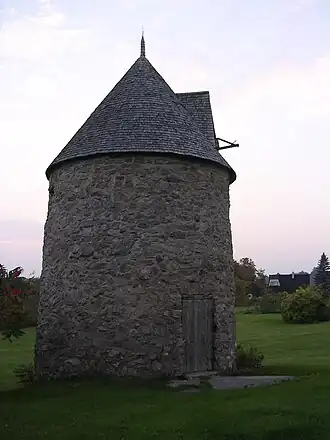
(266, 64)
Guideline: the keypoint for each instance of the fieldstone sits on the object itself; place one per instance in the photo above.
(73, 362)
(87, 251)
(145, 274)
(138, 219)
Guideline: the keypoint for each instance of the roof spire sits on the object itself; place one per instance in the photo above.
(143, 46)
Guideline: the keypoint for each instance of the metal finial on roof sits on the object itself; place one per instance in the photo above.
(143, 45)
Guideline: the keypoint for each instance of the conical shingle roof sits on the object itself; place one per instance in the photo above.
(143, 114)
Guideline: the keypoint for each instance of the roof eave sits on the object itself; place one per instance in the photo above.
(53, 166)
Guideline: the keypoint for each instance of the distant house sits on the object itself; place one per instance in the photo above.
(279, 283)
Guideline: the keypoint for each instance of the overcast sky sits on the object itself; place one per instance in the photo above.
(266, 64)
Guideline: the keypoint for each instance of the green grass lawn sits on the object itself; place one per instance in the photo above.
(288, 348)
(124, 410)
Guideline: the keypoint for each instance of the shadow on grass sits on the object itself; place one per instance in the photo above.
(306, 432)
(293, 370)
(54, 388)
(63, 387)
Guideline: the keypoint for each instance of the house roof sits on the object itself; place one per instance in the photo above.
(289, 283)
(143, 114)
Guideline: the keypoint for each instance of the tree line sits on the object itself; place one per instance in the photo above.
(251, 281)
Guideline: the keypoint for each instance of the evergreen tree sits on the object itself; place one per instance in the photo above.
(322, 275)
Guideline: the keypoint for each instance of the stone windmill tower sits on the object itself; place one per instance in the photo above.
(137, 274)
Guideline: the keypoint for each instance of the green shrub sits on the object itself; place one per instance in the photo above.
(241, 301)
(250, 310)
(25, 374)
(306, 305)
(248, 358)
(270, 303)
(30, 306)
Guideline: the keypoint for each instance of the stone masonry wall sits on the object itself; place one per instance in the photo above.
(125, 238)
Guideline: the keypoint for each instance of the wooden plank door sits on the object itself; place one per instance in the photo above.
(197, 324)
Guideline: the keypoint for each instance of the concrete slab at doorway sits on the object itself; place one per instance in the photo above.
(217, 382)
(236, 382)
